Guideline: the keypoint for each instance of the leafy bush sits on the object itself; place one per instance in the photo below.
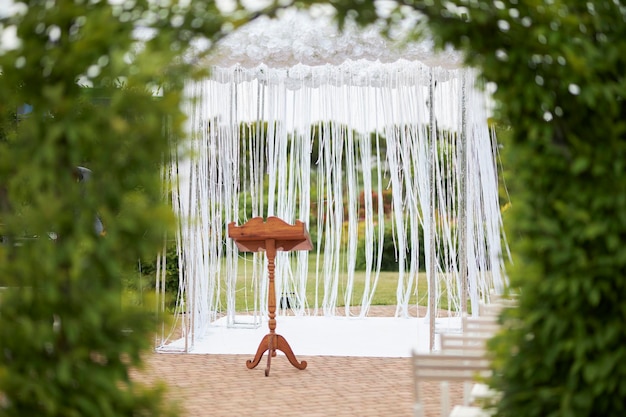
(68, 341)
(171, 279)
(389, 261)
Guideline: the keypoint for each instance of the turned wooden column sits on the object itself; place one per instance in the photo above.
(270, 252)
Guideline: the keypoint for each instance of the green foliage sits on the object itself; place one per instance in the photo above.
(389, 259)
(148, 269)
(67, 340)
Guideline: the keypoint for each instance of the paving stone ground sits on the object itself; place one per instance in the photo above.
(222, 385)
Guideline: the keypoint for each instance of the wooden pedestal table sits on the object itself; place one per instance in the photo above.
(271, 235)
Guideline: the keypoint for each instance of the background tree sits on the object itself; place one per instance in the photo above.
(67, 339)
(559, 72)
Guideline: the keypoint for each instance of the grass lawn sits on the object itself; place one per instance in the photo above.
(385, 293)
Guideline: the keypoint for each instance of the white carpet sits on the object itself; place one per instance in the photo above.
(323, 336)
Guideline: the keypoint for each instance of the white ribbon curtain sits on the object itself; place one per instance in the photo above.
(252, 147)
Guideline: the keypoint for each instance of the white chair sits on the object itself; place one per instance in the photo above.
(462, 343)
(475, 326)
(495, 307)
(489, 310)
(444, 367)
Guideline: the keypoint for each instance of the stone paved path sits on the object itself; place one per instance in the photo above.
(221, 385)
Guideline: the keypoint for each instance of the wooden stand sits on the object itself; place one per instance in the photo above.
(271, 236)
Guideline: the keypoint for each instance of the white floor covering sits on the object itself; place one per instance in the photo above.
(323, 336)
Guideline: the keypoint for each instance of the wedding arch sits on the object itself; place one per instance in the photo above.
(350, 134)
